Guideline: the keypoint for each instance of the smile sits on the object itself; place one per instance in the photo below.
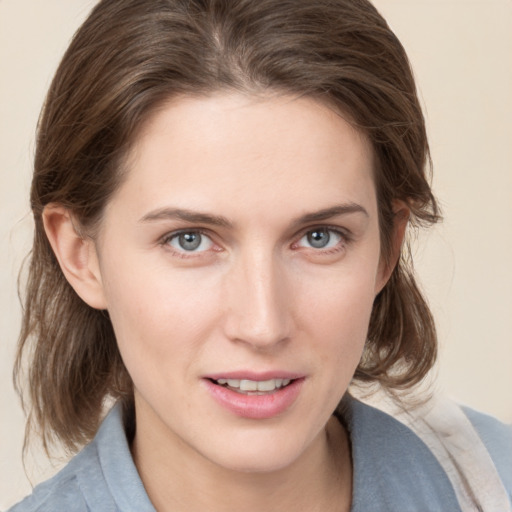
(255, 399)
(247, 386)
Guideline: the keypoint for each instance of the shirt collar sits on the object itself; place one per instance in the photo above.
(117, 464)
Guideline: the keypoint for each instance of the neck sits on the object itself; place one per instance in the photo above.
(178, 478)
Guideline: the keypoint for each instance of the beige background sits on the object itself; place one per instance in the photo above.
(461, 51)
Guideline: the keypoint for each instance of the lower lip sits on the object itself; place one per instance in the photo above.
(257, 407)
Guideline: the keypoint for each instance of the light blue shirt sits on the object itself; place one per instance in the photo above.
(394, 471)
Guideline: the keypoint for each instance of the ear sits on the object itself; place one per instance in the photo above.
(386, 266)
(76, 255)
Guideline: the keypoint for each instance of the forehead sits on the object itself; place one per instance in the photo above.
(230, 150)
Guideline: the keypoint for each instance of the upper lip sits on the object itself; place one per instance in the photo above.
(255, 375)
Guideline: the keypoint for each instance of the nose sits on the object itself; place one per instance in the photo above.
(258, 308)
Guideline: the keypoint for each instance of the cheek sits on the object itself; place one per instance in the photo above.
(334, 320)
(336, 311)
(159, 317)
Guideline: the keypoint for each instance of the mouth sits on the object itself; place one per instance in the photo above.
(262, 396)
(253, 387)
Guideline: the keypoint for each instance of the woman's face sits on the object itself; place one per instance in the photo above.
(239, 261)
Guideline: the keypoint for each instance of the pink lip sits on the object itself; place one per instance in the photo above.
(256, 407)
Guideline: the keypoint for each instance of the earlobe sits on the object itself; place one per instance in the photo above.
(76, 255)
(387, 265)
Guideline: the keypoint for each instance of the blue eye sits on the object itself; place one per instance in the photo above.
(321, 238)
(190, 241)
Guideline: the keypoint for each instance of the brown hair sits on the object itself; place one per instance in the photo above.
(129, 57)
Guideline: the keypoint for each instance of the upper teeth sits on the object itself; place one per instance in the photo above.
(254, 385)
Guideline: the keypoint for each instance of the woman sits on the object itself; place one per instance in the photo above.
(221, 194)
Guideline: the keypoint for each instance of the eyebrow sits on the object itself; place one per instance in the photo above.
(328, 213)
(186, 215)
(195, 217)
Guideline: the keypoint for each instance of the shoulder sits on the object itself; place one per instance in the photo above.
(62, 491)
(497, 438)
(83, 484)
(102, 477)
(429, 457)
(393, 468)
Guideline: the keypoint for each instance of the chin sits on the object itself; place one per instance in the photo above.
(268, 453)
(263, 462)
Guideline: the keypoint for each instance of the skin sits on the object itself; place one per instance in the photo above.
(256, 295)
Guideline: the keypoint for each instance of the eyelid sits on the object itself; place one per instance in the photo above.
(345, 234)
(173, 234)
(166, 239)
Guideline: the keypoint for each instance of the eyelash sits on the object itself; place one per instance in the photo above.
(165, 241)
(345, 239)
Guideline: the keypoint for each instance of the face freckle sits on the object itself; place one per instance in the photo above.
(243, 247)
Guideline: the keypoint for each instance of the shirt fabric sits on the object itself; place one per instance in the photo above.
(394, 470)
